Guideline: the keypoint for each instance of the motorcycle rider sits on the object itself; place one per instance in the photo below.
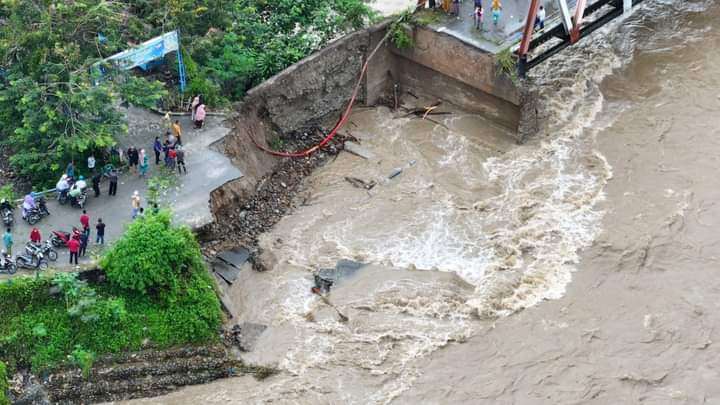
(28, 205)
(77, 189)
(5, 205)
(63, 186)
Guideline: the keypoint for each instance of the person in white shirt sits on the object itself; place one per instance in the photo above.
(540, 18)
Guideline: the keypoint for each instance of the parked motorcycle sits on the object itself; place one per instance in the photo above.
(6, 210)
(46, 248)
(7, 265)
(39, 212)
(61, 238)
(33, 260)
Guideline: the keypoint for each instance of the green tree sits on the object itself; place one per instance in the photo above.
(154, 257)
(3, 385)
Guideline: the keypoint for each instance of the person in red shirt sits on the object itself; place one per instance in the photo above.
(35, 236)
(85, 221)
(74, 247)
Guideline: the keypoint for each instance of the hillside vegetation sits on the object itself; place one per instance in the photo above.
(54, 110)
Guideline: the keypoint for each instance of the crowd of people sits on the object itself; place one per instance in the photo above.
(452, 7)
(72, 184)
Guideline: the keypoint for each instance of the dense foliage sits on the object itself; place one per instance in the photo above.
(131, 310)
(3, 385)
(54, 109)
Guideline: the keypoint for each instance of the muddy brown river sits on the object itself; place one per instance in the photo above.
(579, 268)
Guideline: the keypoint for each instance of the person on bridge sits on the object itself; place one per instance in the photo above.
(496, 11)
(540, 18)
(74, 248)
(35, 237)
(478, 14)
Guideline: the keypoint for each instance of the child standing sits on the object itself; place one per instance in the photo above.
(496, 8)
(478, 15)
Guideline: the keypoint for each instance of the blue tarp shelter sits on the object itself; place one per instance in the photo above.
(151, 50)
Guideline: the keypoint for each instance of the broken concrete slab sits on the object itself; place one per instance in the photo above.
(235, 257)
(358, 150)
(227, 272)
(327, 278)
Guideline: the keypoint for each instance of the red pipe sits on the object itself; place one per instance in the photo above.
(343, 119)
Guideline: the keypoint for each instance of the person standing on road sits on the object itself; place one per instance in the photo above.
(193, 106)
(100, 232)
(456, 8)
(166, 121)
(96, 184)
(113, 177)
(200, 116)
(70, 169)
(8, 242)
(35, 237)
(74, 248)
(91, 163)
(85, 222)
(496, 11)
(157, 148)
(172, 155)
(83, 243)
(135, 203)
(180, 156)
(143, 163)
(133, 158)
(177, 131)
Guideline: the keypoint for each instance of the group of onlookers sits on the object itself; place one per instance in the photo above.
(452, 7)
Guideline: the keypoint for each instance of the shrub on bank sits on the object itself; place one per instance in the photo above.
(158, 293)
(3, 385)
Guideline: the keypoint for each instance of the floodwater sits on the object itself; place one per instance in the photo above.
(580, 268)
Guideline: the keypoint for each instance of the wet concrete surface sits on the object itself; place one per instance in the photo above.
(207, 170)
(492, 38)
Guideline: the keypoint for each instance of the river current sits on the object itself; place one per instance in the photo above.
(542, 273)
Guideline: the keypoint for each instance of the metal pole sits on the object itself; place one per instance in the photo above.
(579, 12)
(529, 26)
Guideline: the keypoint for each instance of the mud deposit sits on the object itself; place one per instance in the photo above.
(607, 221)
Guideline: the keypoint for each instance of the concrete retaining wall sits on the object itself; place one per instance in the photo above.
(448, 68)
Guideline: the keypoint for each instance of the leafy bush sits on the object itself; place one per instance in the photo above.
(7, 192)
(153, 256)
(3, 385)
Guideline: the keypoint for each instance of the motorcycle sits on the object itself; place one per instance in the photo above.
(39, 212)
(6, 210)
(7, 265)
(61, 239)
(35, 260)
(46, 248)
(79, 201)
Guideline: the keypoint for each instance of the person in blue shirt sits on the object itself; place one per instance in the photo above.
(8, 242)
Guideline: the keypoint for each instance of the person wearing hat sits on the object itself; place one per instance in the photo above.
(135, 202)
